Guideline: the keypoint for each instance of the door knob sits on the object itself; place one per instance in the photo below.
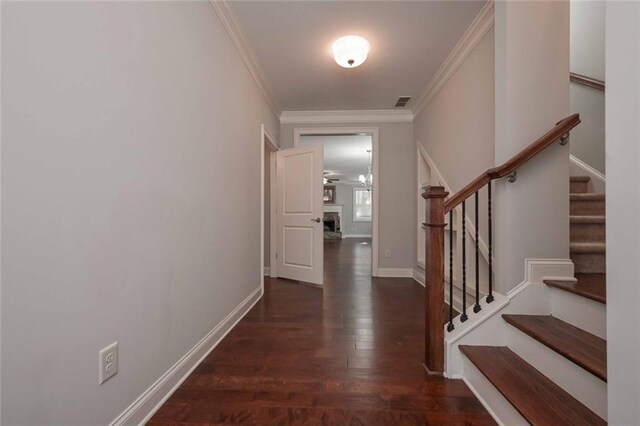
(317, 219)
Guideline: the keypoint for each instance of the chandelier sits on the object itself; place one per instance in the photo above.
(367, 180)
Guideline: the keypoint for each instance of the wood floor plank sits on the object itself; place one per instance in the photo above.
(350, 353)
(536, 397)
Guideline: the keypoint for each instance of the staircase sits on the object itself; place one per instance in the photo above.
(577, 337)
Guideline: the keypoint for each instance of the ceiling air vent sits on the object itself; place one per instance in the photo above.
(402, 101)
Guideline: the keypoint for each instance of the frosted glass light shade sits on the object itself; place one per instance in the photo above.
(350, 51)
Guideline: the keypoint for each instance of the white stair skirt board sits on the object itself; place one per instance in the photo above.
(395, 272)
(580, 168)
(497, 405)
(584, 313)
(579, 383)
(141, 410)
(487, 326)
(418, 275)
(267, 271)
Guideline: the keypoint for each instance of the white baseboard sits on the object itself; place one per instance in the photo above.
(141, 410)
(579, 167)
(356, 235)
(395, 272)
(267, 271)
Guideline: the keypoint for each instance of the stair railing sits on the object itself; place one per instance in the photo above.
(438, 206)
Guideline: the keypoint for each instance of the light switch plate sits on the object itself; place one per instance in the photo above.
(108, 362)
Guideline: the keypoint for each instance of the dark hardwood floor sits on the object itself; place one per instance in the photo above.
(348, 354)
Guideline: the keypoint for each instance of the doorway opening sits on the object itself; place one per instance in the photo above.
(350, 195)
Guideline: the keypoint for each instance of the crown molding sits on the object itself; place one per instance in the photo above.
(226, 16)
(347, 116)
(483, 22)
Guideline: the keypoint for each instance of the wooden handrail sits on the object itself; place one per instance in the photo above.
(561, 128)
(594, 83)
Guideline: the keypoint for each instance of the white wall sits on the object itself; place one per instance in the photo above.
(397, 182)
(587, 58)
(587, 38)
(344, 196)
(532, 94)
(623, 211)
(131, 197)
(457, 128)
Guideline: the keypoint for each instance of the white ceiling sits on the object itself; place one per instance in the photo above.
(345, 157)
(409, 41)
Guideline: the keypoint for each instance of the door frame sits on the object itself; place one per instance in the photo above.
(373, 131)
(268, 141)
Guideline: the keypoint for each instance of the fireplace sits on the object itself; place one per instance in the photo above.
(331, 222)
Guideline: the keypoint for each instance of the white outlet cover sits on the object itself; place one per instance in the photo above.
(108, 363)
(387, 253)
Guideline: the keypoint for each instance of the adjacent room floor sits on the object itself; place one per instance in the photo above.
(350, 353)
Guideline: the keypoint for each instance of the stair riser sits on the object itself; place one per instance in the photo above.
(587, 207)
(578, 187)
(587, 314)
(587, 233)
(589, 263)
(579, 383)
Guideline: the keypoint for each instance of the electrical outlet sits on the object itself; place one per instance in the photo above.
(387, 253)
(108, 363)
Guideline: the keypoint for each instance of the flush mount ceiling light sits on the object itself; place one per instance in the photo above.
(350, 51)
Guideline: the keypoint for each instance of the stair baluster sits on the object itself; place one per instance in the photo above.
(464, 316)
(490, 238)
(450, 326)
(477, 307)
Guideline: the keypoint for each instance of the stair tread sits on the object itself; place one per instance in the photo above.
(591, 286)
(532, 394)
(591, 247)
(582, 348)
(579, 178)
(587, 219)
(586, 196)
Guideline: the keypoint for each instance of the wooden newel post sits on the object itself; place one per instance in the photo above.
(434, 279)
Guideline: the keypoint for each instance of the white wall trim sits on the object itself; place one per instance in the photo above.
(267, 271)
(346, 116)
(226, 16)
(598, 180)
(145, 406)
(418, 276)
(375, 155)
(395, 272)
(267, 140)
(483, 22)
(356, 235)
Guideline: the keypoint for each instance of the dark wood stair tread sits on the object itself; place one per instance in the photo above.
(582, 348)
(539, 400)
(591, 286)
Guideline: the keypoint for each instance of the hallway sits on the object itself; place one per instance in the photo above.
(350, 353)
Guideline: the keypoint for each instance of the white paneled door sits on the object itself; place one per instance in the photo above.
(299, 213)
